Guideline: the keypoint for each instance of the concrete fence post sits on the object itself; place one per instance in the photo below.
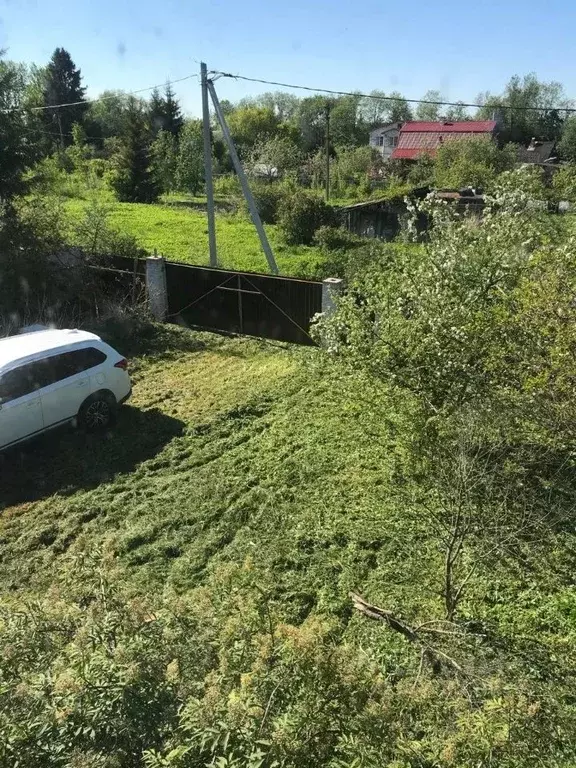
(156, 288)
(332, 287)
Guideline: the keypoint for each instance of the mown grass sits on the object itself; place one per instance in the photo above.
(181, 234)
(229, 449)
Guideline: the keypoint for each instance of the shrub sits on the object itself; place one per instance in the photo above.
(228, 186)
(472, 162)
(564, 183)
(301, 215)
(268, 199)
(464, 319)
(337, 239)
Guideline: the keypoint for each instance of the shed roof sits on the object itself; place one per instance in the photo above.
(537, 152)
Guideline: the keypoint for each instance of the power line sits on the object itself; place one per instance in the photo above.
(388, 98)
(100, 98)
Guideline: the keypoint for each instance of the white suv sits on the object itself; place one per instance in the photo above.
(52, 377)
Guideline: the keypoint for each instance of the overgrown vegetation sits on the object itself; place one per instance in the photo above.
(357, 555)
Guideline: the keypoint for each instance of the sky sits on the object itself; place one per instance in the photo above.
(458, 48)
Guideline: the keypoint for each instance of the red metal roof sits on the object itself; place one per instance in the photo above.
(467, 126)
(417, 138)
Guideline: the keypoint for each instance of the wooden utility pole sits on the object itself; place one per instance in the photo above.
(327, 149)
(208, 167)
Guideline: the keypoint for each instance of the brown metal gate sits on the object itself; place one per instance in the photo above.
(243, 302)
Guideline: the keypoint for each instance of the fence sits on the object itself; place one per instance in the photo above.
(220, 300)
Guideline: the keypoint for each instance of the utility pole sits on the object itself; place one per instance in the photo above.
(243, 180)
(208, 167)
(327, 149)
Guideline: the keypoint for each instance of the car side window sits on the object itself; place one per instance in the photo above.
(59, 367)
(19, 382)
(48, 370)
(90, 357)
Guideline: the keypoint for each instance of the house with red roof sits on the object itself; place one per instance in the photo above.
(417, 138)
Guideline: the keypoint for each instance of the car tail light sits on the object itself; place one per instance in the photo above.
(122, 364)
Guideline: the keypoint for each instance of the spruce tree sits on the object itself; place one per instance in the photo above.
(173, 120)
(63, 85)
(156, 112)
(134, 181)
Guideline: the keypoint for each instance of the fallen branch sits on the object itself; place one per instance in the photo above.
(437, 659)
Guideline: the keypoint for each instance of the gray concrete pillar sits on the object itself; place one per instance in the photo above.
(156, 288)
(332, 287)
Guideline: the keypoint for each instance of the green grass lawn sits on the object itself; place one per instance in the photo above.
(227, 449)
(181, 234)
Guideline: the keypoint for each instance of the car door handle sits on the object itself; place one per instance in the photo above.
(82, 383)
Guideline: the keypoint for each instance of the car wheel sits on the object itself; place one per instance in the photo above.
(97, 413)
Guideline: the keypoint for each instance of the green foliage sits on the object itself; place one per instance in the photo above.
(31, 233)
(275, 157)
(567, 144)
(269, 198)
(15, 152)
(518, 124)
(108, 117)
(164, 160)
(249, 125)
(352, 166)
(446, 322)
(381, 108)
(301, 215)
(180, 234)
(63, 85)
(135, 634)
(228, 186)
(564, 183)
(527, 181)
(471, 162)
(337, 238)
(190, 161)
(97, 237)
(133, 179)
(164, 113)
(422, 172)
(430, 112)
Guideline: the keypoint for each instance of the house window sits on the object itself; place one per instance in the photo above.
(380, 141)
(392, 141)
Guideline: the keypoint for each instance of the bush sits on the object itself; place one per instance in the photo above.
(301, 215)
(564, 183)
(268, 199)
(228, 186)
(465, 318)
(472, 162)
(337, 239)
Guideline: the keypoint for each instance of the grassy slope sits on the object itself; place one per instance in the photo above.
(232, 449)
(181, 234)
(239, 451)
(225, 451)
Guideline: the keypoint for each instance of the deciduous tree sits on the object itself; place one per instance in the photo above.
(531, 109)
(190, 163)
(251, 124)
(275, 157)
(471, 162)
(433, 111)
(164, 160)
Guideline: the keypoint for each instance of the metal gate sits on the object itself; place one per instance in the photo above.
(243, 302)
